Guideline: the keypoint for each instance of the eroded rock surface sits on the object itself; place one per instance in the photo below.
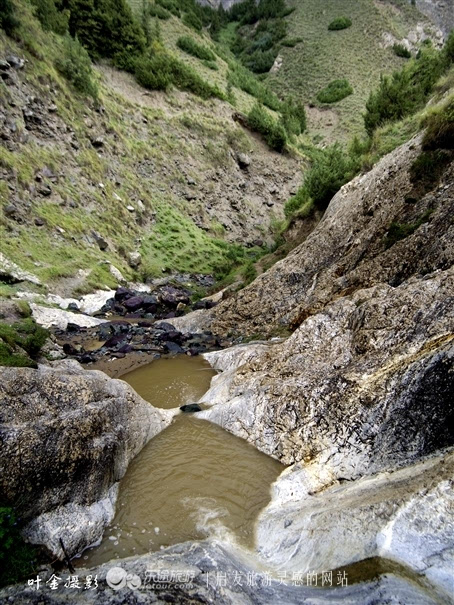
(364, 385)
(67, 437)
(218, 574)
(348, 249)
(406, 516)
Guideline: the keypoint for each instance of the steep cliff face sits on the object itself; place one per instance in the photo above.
(440, 12)
(350, 248)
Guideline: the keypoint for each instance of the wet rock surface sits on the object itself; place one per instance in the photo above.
(67, 437)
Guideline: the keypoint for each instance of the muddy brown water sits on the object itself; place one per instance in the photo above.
(192, 480)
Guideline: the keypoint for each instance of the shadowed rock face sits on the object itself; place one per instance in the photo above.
(67, 437)
(362, 386)
(347, 250)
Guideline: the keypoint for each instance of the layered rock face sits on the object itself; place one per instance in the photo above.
(364, 385)
(348, 250)
(67, 437)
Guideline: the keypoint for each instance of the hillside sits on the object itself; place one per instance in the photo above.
(359, 54)
(157, 174)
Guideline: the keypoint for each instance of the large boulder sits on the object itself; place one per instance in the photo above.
(67, 438)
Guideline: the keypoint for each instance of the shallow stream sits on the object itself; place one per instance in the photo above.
(192, 480)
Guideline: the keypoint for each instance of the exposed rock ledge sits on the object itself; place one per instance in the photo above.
(406, 516)
(203, 561)
(365, 385)
(67, 438)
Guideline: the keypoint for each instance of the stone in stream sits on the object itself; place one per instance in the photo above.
(191, 407)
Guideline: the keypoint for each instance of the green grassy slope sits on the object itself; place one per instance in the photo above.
(356, 53)
(140, 164)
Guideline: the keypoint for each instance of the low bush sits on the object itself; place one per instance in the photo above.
(439, 133)
(156, 10)
(17, 559)
(399, 231)
(272, 131)
(405, 91)
(20, 343)
(171, 6)
(293, 116)
(211, 65)
(75, 66)
(291, 42)
(426, 170)
(192, 20)
(190, 46)
(8, 20)
(244, 80)
(401, 51)
(339, 23)
(50, 18)
(161, 70)
(335, 91)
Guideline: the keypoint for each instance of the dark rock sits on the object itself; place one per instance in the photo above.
(258, 243)
(133, 303)
(122, 293)
(10, 211)
(102, 243)
(125, 349)
(119, 355)
(191, 407)
(114, 341)
(72, 327)
(45, 190)
(150, 303)
(4, 65)
(70, 349)
(39, 222)
(87, 358)
(73, 307)
(172, 347)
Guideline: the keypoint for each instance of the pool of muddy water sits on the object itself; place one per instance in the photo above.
(192, 480)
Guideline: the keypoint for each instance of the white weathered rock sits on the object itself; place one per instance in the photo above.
(116, 274)
(50, 316)
(14, 272)
(406, 515)
(193, 322)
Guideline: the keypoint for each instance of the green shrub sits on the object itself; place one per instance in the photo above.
(335, 91)
(399, 231)
(211, 65)
(426, 170)
(156, 10)
(8, 20)
(192, 20)
(161, 70)
(25, 334)
(106, 28)
(171, 6)
(190, 46)
(272, 131)
(448, 50)
(401, 51)
(75, 66)
(50, 18)
(260, 61)
(249, 272)
(405, 91)
(340, 23)
(293, 116)
(17, 559)
(439, 133)
(291, 42)
(243, 79)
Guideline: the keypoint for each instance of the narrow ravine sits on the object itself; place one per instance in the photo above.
(192, 480)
